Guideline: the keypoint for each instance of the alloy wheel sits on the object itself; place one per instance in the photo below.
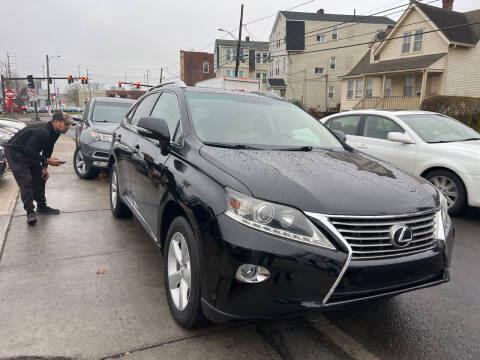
(447, 187)
(179, 271)
(113, 189)
(80, 163)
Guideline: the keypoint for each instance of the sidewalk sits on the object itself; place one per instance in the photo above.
(53, 303)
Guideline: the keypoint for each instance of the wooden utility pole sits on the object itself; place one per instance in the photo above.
(237, 63)
(48, 87)
(161, 75)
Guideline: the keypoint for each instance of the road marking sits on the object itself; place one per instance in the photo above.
(341, 339)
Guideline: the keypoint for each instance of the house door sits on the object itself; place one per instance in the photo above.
(433, 84)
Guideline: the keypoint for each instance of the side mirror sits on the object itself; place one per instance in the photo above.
(340, 135)
(157, 129)
(77, 118)
(400, 137)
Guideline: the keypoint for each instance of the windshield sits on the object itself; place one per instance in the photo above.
(110, 112)
(257, 121)
(433, 128)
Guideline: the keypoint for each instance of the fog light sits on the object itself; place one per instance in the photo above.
(252, 273)
(99, 163)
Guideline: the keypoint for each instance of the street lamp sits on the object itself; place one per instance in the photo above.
(48, 83)
(221, 29)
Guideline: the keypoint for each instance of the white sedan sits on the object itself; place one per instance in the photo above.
(434, 146)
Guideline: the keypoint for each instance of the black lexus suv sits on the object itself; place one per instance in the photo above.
(262, 212)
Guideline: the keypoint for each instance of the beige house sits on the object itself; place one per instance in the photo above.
(430, 51)
(306, 54)
(253, 59)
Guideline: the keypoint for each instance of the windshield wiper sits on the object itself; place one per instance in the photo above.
(101, 121)
(231, 146)
(293, 148)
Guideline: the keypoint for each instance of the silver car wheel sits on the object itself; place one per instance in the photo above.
(447, 187)
(179, 271)
(113, 189)
(80, 163)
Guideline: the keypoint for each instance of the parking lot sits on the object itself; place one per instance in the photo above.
(83, 284)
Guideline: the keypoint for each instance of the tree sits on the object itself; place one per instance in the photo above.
(20, 86)
(71, 95)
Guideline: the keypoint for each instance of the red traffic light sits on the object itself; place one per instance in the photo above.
(120, 83)
(138, 85)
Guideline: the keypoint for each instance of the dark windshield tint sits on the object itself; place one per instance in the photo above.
(434, 128)
(255, 120)
(110, 112)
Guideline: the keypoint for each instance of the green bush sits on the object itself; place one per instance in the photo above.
(462, 108)
(297, 102)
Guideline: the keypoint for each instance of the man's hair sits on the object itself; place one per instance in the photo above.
(58, 115)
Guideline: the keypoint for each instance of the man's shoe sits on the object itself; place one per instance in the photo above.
(47, 210)
(31, 218)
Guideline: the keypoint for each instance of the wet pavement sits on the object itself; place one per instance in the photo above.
(53, 303)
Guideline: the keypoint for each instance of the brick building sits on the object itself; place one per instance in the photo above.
(195, 66)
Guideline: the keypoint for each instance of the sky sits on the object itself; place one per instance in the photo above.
(114, 39)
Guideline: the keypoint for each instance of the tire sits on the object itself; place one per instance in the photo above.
(119, 209)
(452, 187)
(81, 166)
(187, 313)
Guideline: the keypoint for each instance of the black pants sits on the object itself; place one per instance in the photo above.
(28, 175)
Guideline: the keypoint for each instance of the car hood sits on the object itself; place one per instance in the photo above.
(471, 147)
(327, 182)
(106, 128)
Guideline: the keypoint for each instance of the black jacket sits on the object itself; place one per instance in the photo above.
(28, 143)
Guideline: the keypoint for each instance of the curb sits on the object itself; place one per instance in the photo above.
(12, 200)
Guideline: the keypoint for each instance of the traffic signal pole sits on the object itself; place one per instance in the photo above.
(48, 89)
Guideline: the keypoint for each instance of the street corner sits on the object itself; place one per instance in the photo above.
(8, 197)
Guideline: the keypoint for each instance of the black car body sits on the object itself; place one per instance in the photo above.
(275, 231)
(93, 134)
(3, 162)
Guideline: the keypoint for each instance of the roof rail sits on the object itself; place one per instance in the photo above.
(179, 83)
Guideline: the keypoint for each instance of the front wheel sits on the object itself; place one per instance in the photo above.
(452, 187)
(81, 166)
(119, 209)
(182, 275)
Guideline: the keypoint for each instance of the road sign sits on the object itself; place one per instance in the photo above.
(10, 93)
(32, 92)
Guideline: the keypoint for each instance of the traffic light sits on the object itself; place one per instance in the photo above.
(120, 83)
(138, 85)
(69, 79)
(31, 85)
(85, 79)
(50, 80)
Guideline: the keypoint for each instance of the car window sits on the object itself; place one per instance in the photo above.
(347, 124)
(379, 127)
(144, 108)
(166, 108)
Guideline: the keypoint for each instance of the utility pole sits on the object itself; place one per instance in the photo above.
(326, 93)
(125, 76)
(147, 76)
(48, 88)
(237, 63)
(305, 90)
(161, 75)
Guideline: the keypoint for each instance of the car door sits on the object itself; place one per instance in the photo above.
(149, 162)
(374, 141)
(349, 125)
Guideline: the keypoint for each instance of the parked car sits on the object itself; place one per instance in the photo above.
(261, 211)
(16, 109)
(93, 135)
(431, 145)
(8, 128)
(3, 163)
(43, 109)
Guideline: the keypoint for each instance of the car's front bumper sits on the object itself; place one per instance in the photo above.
(302, 276)
(96, 154)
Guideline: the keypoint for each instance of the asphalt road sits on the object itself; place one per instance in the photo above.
(54, 303)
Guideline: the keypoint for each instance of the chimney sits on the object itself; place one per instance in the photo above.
(247, 39)
(320, 12)
(448, 5)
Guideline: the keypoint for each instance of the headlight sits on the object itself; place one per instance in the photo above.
(274, 219)
(100, 137)
(442, 219)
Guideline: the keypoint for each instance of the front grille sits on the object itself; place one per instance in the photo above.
(101, 154)
(369, 237)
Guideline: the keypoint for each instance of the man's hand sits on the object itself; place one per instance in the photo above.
(45, 174)
(54, 162)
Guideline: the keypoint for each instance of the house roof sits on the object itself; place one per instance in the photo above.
(293, 15)
(445, 18)
(408, 63)
(277, 83)
(254, 45)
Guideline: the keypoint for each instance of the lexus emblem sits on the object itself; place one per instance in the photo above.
(401, 235)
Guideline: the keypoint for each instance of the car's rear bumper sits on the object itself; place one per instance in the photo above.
(301, 275)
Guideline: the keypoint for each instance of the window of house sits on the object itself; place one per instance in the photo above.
(240, 74)
(271, 69)
(230, 73)
(331, 92)
(261, 57)
(351, 85)
(334, 33)
(228, 56)
(277, 67)
(206, 67)
(234, 52)
(406, 42)
(417, 44)
(369, 88)
(278, 40)
(358, 89)
(333, 63)
(321, 38)
(408, 86)
(319, 70)
(388, 87)
(264, 78)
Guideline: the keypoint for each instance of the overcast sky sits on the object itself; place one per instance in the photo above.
(111, 37)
